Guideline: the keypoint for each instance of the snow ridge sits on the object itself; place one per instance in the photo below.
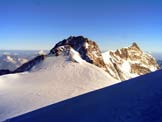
(50, 81)
(129, 62)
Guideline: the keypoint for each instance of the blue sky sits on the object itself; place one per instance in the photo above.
(39, 24)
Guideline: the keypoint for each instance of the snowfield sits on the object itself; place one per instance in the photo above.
(53, 80)
(135, 100)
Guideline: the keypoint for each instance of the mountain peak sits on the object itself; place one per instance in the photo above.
(134, 44)
(76, 38)
(88, 49)
(126, 63)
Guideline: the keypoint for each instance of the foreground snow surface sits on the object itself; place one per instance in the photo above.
(135, 100)
(54, 80)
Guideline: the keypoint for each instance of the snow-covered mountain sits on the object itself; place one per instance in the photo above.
(121, 64)
(11, 62)
(88, 50)
(12, 59)
(129, 62)
(52, 80)
(73, 67)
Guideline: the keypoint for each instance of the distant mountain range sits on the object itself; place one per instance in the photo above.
(160, 63)
(12, 59)
(158, 57)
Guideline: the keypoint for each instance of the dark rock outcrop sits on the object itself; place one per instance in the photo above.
(61, 50)
(28, 66)
(88, 50)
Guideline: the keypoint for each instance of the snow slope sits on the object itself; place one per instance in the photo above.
(135, 100)
(51, 81)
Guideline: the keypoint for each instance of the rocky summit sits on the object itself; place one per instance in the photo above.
(88, 50)
(126, 63)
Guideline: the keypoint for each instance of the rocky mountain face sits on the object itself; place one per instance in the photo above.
(121, 64)
(88, 50)
(27, 66)
(129, 62)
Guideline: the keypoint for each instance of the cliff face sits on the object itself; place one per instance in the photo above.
(28, 66)
(88, 50)
(129, 62)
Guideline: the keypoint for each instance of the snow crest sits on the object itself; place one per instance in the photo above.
(54, 79)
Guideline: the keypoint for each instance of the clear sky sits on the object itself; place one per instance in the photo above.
(39, 24)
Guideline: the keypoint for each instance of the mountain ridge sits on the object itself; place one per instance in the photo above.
(50, 81)
(132, 59)
(67, 72)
